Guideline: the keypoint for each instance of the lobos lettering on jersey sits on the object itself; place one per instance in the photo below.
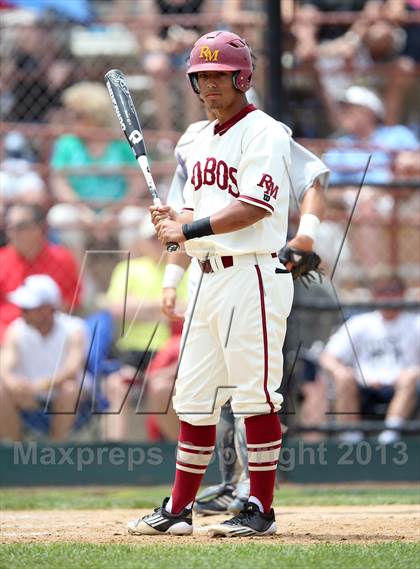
(215, 173)
(270, 189)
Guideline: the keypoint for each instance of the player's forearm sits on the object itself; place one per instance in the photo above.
(314, 201)
(179, 258)
(312, 211)
(177, 263)
(236, 216)
(184, 217)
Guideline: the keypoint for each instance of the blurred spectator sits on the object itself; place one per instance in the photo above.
(400, 12)
(407, 166)
(162, 422)
(313, 394)
(42, 360)
(179, 7)
(19, 182)
(313, 39)
(306, 83)
(308, 12)
(29, 253)
(17, 147)
(25, 73)
(134, 299)
(36, 71)
(395, 10)
(166, 61)
(365, 46)
(361, 114)
(372, 51)
(87, 178)
(307, 332)
(61, 73)
(374, 358)
(79, 11)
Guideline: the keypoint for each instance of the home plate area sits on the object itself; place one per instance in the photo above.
(295, 525)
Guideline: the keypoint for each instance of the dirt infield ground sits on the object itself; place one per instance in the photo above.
(296, 525)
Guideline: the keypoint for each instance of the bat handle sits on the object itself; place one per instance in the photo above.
(172, 246)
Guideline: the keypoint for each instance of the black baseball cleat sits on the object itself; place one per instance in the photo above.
(250, 521)
(236, 505)
(215, 500)
(161, 522)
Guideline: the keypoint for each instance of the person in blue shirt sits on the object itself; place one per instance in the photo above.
(361, 117)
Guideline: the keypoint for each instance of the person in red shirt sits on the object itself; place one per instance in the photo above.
(29, 253)
(162, 423)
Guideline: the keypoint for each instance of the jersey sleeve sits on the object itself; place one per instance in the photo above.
(182, 151)
(305, 169)
(262, 169)
(175, 197)
(188, 197)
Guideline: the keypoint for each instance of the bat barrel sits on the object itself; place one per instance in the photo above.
(130, 124)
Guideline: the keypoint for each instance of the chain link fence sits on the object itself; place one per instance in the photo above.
(44, 59)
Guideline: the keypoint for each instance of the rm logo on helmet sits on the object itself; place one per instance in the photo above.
(209, 55)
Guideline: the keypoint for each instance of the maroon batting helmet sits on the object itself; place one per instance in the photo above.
(221, 51)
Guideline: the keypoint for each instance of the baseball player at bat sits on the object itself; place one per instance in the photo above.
(234, 221)
(308, 181)
(309, 178)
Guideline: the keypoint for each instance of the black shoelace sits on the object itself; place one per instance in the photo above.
(244, 516)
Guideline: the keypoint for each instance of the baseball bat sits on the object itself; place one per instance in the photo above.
(130, 124)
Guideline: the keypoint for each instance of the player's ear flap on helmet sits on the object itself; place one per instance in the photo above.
(241, 82)
(193, 77)
(238, 80)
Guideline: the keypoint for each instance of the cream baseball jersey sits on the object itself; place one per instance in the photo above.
(305, 168)
(245, 159)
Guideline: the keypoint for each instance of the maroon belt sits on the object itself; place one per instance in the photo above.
(227, 261)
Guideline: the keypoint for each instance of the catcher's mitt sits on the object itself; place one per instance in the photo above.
(305, 265)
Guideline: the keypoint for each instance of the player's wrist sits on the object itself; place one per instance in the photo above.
(308, 225)
(172, 276)
(198, 228)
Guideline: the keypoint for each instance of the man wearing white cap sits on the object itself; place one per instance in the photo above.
(42, 360)
(360, 118)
